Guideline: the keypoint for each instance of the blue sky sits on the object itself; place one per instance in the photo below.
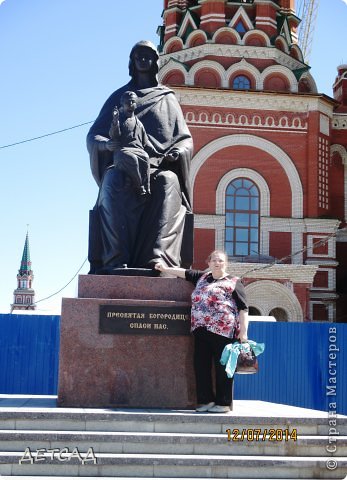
(60, 60)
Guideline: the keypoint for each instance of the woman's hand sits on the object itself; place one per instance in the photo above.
(242, 337)
(160, 267)
(171, 271)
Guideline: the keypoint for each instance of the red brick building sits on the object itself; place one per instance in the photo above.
(269, 167)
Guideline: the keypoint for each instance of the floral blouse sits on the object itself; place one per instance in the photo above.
(216, 303)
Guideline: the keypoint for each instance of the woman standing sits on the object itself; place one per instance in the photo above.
(219, 316)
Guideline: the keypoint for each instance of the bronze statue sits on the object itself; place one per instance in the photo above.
(128, 229)
(132, 155)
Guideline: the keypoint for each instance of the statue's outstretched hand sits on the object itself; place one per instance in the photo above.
(172, 155)
(105, 143)
(112, 145)
(115, 114)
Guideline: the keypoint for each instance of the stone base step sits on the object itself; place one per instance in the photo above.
(20, 477)
(170, 444)
(167, 443)
(171, 466)
(162, 421)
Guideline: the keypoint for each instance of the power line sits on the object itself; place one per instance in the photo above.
(280, 261)
(319, 243)
(60, 290)
(45, 135)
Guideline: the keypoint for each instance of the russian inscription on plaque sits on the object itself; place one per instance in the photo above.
(144, 320)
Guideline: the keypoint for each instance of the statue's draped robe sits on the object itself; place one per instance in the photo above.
(140, 230)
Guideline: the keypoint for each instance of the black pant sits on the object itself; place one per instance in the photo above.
(209, 346)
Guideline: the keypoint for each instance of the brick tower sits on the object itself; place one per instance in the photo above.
(24, 295)
(265, 186)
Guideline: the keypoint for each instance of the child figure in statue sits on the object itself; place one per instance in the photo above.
(132, 156)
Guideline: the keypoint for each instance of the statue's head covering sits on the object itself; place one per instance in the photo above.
(150, 46)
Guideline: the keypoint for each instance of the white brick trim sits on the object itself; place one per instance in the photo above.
(339, 121)
(283, 42)
(233, 33)
(241, 13)
(273, 69)
(259, 33)
(171, 67)
(297, 104)
(244, 66)
(212, 222)
(193, 34)
(252, 175)
(331, 280)
(250, 140)
(331, 246)
(266, 21)
(187, 19)
(342, 151)
(330, 307)
(267, 295)
(170, 42)
(301, 58)
(211, 65)
(237, 51)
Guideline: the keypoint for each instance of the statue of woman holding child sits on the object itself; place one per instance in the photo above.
(130, 230)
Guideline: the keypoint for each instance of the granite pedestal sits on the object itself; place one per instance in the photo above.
(124, 370)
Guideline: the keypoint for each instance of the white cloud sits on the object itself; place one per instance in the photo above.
(345, 1)
(1, 1)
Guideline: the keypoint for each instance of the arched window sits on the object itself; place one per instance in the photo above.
(253, 311)
(242, 218)
(280, 314)
(241, 82)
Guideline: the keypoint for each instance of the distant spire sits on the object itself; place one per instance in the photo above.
(25, 265)
(24, 295)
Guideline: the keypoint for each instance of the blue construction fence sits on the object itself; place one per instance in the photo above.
(304, 364)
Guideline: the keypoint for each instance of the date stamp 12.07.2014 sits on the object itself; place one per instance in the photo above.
(261, 434)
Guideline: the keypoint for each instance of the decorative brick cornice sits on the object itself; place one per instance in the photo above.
(322, 263)
(273, 121)
(210, 222)
(233, 51)
(314, 295)
(339, 121)
(301, 225)
(203, 97)
(279, 271)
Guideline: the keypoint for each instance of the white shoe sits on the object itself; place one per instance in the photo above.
(204, 408)
(219, 409)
